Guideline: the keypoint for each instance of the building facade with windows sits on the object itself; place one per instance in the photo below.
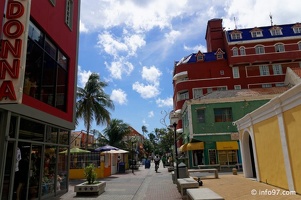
(38, 61)
(209, 135)
(236, 59)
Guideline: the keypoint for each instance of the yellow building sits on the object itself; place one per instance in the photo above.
(270, 139)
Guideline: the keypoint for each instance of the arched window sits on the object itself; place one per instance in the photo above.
(279, 48)
(235, 51)
(242, 51)
(259, 49)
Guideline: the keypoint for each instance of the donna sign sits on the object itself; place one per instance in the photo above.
(13, 50)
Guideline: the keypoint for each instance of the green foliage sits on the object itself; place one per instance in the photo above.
(93, 103)
(90, 173)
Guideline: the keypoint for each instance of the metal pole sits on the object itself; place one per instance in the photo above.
(132, 157)
(176, 149)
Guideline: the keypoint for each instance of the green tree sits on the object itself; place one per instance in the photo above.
(144, 130)
(115, 132)
(93, 103)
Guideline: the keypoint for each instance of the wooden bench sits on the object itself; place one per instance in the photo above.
(204, 170)
(202, 194)
(185, 183)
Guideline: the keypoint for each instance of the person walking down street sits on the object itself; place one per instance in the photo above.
(164, 160)
(157, 162)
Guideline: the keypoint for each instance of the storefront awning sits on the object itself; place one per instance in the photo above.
(195, 146)
(183, 147)
(229, 145)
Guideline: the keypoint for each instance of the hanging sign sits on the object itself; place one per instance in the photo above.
(13, 50)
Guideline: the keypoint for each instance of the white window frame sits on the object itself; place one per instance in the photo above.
(297, 29)
(256, 34)
(242, 51)
(259, 49)
(235, 71)
(183, 95)
(235, 51)
(277, 69)
(222, 88)
(279, 47)
(236, 36)
(219, 56)
(197, 93)
(264, 70)
(299, 45)
(222, 72)
(275, 31)
(279, 84)
(69, 13)
(237, 87)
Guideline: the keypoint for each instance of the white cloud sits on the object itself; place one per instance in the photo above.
(151, 74)
(119, 96)
(134, 42)
(196, 48)
(168, 102)
(151, 114)
(146, 91)
(82, 27)
(82, 76)
(172, 36)
(111, 45)
(119, 67)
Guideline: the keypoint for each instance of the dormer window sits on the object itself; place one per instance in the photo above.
(219, 54)
(275, 31)
(297, 28)
(236, 35)
(256, 32)
(199, 56)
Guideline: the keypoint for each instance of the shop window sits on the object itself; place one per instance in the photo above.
(51, 134)
(63, 137)
(31, 130)
(212, 156)
(46, 72)
(227, 157)
(198, 157)
(223, 114)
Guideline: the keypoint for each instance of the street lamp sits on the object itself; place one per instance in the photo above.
(173, 121)
(133, 141)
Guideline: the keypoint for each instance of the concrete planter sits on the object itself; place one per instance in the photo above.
(85, 189)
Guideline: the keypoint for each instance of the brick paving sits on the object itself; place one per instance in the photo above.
(146, 184)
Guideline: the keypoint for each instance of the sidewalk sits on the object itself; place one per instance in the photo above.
(146, 184)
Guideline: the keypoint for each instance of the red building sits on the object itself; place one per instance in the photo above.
(255, 57)
(38, 62)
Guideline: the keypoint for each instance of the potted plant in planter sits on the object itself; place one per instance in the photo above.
(90, 186)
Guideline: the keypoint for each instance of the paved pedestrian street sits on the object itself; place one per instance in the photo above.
(146, 184)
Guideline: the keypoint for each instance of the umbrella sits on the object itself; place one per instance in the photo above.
(106, 148)
(75, 150)
(117, 151)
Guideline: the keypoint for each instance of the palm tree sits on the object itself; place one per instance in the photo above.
(115, 132)
(93, 103)
(144, 130)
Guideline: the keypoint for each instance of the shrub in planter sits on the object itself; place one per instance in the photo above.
(90, 173)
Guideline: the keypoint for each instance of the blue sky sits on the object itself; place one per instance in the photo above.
(133, 45)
